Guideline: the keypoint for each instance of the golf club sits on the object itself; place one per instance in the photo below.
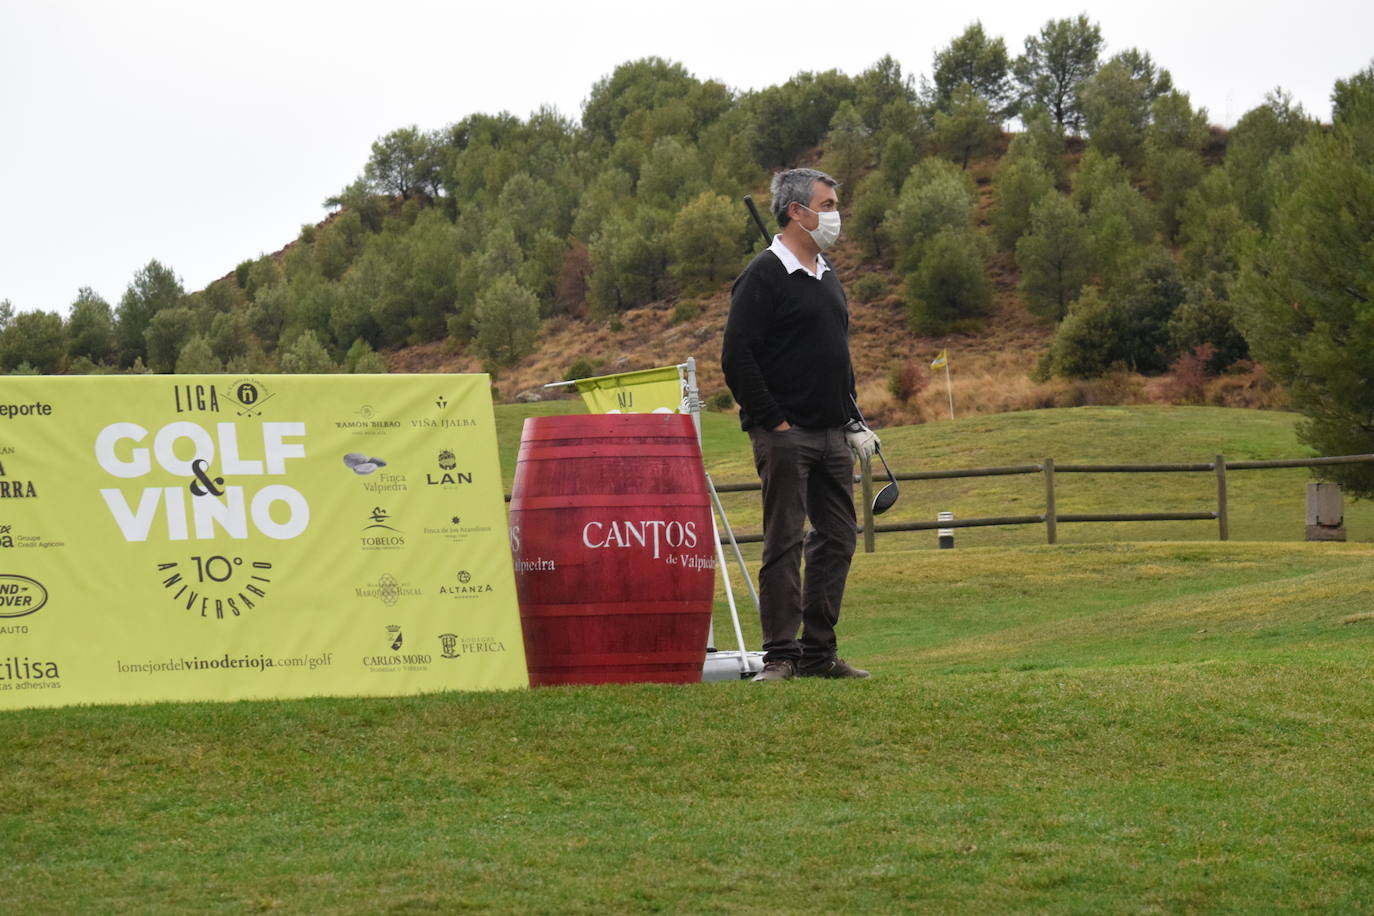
(887, 496)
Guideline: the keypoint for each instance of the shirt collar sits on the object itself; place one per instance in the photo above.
(790, 261)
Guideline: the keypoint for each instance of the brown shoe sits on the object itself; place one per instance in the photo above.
(835, 668)
(781, 670)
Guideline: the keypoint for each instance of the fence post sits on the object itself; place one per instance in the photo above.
(1224, 529)
(1051, 527)
(866, 478)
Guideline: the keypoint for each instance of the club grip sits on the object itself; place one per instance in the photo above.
(758, 220)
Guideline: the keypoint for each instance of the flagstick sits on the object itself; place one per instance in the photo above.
(949, 387)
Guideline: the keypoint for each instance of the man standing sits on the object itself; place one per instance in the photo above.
(786, 360)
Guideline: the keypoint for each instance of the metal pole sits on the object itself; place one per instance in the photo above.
(1224, 529)
(1051, 519)
(866, 476)
(949, 386)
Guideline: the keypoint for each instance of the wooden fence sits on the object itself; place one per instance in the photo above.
(1050, 518)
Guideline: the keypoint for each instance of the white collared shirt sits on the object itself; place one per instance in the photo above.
(791, 263)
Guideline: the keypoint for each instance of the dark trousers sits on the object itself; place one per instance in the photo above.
(806, 473)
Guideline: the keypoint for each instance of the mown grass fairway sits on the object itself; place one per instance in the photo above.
(1264, 505)
(1167, 727)
(1085, 728)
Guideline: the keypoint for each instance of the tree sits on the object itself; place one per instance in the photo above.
(1350, 95)
(403, 163)
(230, 334)
(166, 334)
(647, 83)
(629, 261)
(307, 356)
(899, 154)
(153, 289)
(705, 243)
(980, 62)
(36, 340)
(196, 358)
(966, 129)
(1022, 182)
(1259, 159)
(1121, 226)
(90, 327)
(361, 359)
(867, 210)
(951, 284)
(879, 90)
(936, 195)
(1304, 298)
(1116, 104)
(1207, 317)
(847, 144)
(507, 322)
(1173, 154)
(1054, 66)
(794, 116)
(672, 172)
(1053, 257)
(1042, 140)
(529, 206)
(1130, 331)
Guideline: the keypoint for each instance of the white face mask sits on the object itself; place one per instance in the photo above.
(825, 234)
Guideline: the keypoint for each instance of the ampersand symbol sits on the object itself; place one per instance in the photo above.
(198, 467)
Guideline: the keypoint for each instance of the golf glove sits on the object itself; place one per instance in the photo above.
(862, 440)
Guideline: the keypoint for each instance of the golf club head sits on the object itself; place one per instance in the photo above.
(885, 499)
(887, 496)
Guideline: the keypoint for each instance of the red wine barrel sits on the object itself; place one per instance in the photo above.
(610, 524)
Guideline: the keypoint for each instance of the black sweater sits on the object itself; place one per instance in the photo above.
(786, 348)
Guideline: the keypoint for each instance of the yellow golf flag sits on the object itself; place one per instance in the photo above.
(644, 391)
(941, 361)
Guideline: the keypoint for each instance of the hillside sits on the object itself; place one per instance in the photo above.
(990, 364)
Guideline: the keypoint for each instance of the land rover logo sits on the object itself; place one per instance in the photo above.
(20, 595)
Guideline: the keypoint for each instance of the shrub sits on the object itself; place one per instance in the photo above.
(684, 311)
(720, 401)
(581, 368)
(907, 380)
(951, 285)
(1189, 374)
(869, 287)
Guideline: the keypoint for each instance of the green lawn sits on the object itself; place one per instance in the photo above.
(1084, 728)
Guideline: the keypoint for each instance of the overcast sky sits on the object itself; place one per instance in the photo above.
(203, 134)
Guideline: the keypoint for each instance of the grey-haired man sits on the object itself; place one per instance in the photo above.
(786, 360)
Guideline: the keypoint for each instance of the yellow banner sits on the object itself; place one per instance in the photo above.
(941, 360)
(645, 391)
(223, 538)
